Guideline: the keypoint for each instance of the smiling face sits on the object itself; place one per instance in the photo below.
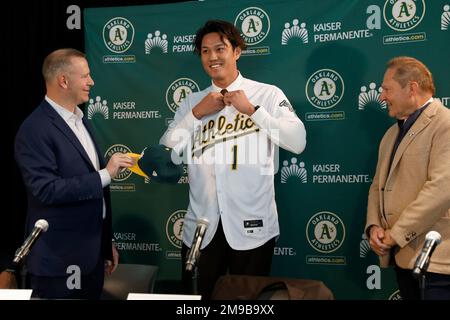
(219, 59)
(399, 100)
(79, 81)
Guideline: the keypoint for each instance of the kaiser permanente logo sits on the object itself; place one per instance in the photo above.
(324, 89)
(364, 247)
(174, 233)
(118, 36)
(129, 241)
(178, 91)
(332, 31)
(99, 106)
(254, 24)
(117, 184)
(401, 16)
(325, 233)
(294, 171)
(122, 110)
(156, 40)
(294, 31)
(445, 17)
(370, 96)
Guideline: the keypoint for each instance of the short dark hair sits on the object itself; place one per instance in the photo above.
(224, 28)
(59, 60)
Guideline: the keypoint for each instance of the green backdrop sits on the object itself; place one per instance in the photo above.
(327, 56)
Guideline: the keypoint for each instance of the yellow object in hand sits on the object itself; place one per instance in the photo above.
(135, 168)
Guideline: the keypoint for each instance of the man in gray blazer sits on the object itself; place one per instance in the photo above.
(410, 193)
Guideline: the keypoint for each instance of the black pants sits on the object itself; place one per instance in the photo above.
(437, 286)
(56, 287)
(218, 259)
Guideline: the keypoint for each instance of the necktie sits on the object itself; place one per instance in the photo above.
(223, 91)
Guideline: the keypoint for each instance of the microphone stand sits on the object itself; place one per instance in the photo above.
(194, 273)
(422, 286)
(421, 277)
(195, 280)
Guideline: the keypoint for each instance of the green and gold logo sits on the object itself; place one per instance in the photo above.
(395, 295)
(254, 24)
(403, 15)
(118, 34)
(325, 232)
(174, 228)
(124, 174)
(178, 91)
(324, 88)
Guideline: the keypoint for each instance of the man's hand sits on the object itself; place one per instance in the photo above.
(7, 280)
(377, 241)
(388, 240)
(117, 162)
(210, 104)
(239, 100)
(111, 266)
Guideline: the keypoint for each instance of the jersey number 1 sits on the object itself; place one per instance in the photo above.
(234, 165)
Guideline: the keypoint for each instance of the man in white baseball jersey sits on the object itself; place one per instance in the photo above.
(228, 134)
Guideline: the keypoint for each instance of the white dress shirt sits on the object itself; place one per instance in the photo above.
(231, 160)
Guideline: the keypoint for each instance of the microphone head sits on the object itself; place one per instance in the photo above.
(434, 236)
(42, 224)
(203, 221)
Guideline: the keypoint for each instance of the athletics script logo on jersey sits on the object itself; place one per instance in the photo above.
(123, 175)
(178, 91)
(254, 24)
(325, 232)
(118, 34)
(403, 15)
(221, 129)
(324, 88)
(174, 228)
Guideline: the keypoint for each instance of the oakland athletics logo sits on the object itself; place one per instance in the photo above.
(254, 24)
(403, 15)
(123, 175)
(324, 89)
(174, 228)
(118, 34)
(178, 91)
(325, 232)
(395, 295)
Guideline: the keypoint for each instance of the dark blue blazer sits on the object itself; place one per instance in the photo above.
(64, 188)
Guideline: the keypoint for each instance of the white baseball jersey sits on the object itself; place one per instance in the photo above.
(231, 162)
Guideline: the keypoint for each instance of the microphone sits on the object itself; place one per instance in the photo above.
(194, 252)
(432, 239)
(39, 227)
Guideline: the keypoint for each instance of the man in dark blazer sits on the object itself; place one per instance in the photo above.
(410, 193)
(67, 185)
